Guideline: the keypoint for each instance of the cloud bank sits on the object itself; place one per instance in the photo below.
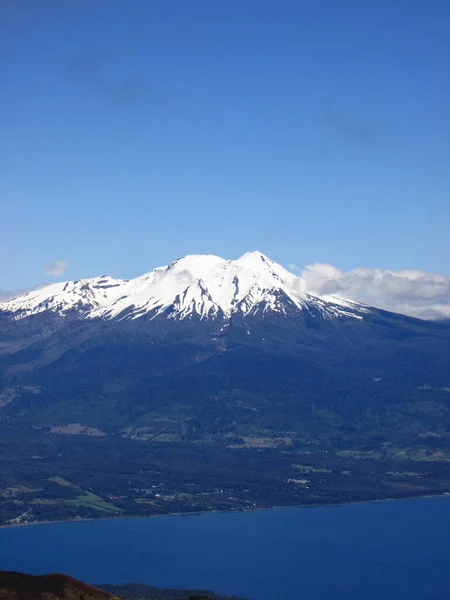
(415, 293)
(56, 268)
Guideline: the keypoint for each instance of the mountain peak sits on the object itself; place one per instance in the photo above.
(196, 262)
(253, 255)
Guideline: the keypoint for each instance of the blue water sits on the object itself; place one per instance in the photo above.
(387, 550)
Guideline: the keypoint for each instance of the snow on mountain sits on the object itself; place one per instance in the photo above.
(202, 285)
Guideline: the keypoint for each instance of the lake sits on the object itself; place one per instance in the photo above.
(384, 550)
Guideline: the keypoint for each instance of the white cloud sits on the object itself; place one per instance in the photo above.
(56, 268)
(292, 267)
(415, 293)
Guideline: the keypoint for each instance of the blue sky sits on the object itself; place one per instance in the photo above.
(134, 132)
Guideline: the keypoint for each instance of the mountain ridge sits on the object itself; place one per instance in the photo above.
(205, 286)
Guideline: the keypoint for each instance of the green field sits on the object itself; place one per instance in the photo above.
(93, 501)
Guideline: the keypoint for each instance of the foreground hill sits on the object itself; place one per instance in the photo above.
(21, 586)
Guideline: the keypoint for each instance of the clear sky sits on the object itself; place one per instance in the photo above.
(133, 132)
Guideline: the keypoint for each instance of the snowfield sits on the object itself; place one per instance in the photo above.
(203, 285)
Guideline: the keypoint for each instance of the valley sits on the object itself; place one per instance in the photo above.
(47, 477)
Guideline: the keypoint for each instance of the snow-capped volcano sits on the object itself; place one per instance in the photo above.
(197, 285)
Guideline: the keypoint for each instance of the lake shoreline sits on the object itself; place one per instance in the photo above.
(225, 512)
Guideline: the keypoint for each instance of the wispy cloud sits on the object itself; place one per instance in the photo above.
(106, 73)
(345, 126)
(441, 23)
(56, 268)
(415, 293)
(91, 65)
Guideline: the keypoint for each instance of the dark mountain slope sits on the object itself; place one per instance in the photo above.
(21, 586)
(275, 372)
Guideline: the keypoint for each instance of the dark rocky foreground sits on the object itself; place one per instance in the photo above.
(21, 586)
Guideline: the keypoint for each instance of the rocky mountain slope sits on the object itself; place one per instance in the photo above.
(212, 349)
